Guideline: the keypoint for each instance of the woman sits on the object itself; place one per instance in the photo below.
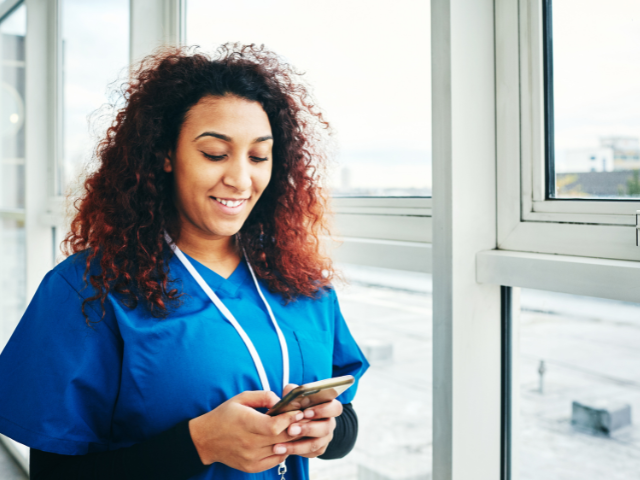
(196, 241)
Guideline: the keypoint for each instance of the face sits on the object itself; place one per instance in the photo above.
(221, 165)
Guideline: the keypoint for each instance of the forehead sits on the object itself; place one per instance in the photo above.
(229, 115)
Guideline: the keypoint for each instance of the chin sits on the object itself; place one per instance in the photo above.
(224, 231)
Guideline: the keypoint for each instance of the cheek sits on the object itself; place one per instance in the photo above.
(190, 184)
(194, 177)
(261, 178)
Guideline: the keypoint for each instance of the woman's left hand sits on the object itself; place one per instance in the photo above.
(311, 436)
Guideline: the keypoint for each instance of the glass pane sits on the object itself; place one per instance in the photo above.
(95, 48)
(13, 301)
(12, 183)
(389, 314)
(580, 388)
(596, 89)
(371, 74)
(12, 109)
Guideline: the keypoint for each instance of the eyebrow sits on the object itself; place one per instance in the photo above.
(226, 138)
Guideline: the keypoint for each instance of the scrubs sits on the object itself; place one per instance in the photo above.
(69, 389)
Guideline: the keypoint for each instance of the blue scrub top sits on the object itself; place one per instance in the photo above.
(68, 389)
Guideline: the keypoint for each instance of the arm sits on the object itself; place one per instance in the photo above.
(344, 435)
(169, 455)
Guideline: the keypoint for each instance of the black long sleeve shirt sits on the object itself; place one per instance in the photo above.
(171, 455)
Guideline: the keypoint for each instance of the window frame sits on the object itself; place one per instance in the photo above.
(6, 9)
(386, 232)
(527, 220)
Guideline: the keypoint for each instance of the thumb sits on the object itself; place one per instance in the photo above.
(288, 388)
(257, 399)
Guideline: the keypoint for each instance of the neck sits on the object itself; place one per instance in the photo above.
(219, 253)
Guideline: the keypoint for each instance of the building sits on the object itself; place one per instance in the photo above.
(626, 151)
(580, 160)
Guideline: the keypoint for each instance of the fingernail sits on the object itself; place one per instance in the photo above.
(295, 430)
(300, 416)
(309, 413)
(279, 450)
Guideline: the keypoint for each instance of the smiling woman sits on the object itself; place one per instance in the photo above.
(174, 103)
(197, 267)
(219, 177)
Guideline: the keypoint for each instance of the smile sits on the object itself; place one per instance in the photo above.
(230, 203)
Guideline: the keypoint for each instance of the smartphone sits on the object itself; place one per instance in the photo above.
(311, 394)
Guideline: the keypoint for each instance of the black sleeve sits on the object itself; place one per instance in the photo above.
(171, 455)
(344, 436)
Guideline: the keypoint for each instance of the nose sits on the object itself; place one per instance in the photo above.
(237, 175)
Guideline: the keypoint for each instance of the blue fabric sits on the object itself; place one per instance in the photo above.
(65, 388)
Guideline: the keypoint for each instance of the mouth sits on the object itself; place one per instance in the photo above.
(230, 202)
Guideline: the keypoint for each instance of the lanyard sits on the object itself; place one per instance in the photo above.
(231, 319)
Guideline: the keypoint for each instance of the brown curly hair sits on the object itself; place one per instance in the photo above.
(127, 203)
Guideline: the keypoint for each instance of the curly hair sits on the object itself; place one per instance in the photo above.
(127, 202)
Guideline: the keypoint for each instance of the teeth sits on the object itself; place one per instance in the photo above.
(230, 203)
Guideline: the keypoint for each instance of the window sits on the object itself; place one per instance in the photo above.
(374, 88)
(592, 83)
(550, 198)
(566, 223)
(95, 52)
(578, 378)
(389, 315)
(12, 176)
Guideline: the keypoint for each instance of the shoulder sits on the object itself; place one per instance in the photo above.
(70, 273)
(324, 296)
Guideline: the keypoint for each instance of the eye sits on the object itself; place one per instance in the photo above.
(214, 157)
(259, 159)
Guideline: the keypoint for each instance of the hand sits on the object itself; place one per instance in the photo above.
(314, 432)
(239, 436)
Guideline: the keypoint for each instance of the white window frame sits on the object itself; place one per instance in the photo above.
(387, 232)
(527, 221)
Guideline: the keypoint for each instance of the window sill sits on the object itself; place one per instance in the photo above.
(596, 277)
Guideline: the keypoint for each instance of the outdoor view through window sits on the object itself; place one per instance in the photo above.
(596, 90)
(369, 65)
(88, 78)
(579, 388)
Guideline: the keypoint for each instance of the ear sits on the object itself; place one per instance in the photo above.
(167, 163)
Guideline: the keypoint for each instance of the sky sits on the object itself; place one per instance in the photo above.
(596, 54)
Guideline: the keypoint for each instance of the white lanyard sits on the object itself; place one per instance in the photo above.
(229, 316)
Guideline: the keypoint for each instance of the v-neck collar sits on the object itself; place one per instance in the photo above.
(228, 286)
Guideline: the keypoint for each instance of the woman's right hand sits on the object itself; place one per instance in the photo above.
(239, 436)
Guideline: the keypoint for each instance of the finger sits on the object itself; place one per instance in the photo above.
(273, 426)
(296, 427)
(303, 446)
(288, 388)
(324, 410)
(257, 399)
(270, 462)
(318, 428)
(283, 437)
